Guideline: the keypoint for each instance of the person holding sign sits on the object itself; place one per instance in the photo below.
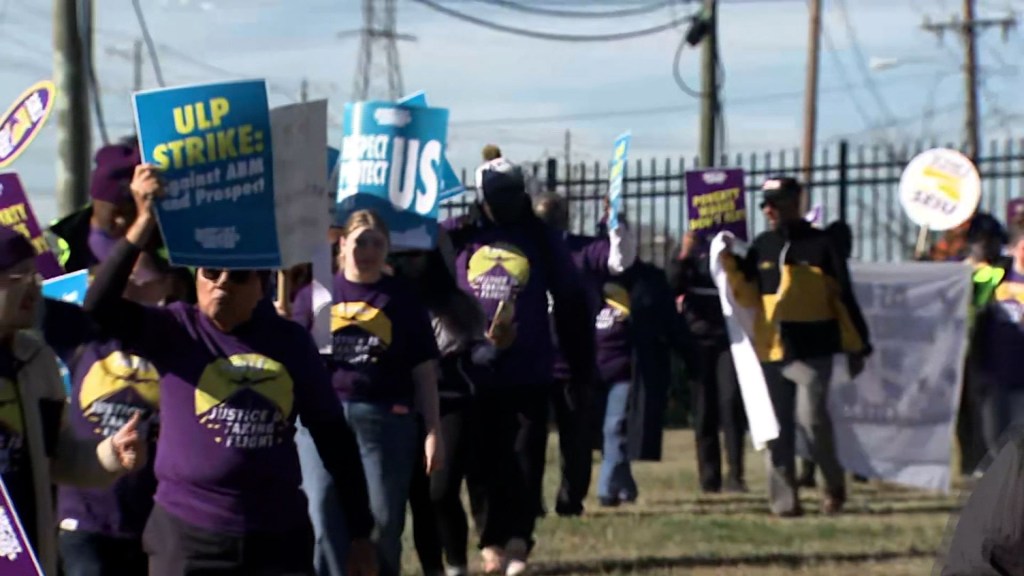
(799, 284)
(37, 446)
(509, 260)
(234, 376)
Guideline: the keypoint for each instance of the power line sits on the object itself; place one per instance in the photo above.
(556, 13)
(841, 67)
(862, 62)
(615, 37)
(757, 99)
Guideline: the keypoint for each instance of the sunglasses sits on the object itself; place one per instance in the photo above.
(234, 276)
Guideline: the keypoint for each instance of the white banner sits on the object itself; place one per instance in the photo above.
(739, 322)
(896, 420)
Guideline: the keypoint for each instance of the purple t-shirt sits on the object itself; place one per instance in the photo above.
(380, 332)
(495, 263)
(226, 460)
(610, 305)
(1005, 340)
(108, 386)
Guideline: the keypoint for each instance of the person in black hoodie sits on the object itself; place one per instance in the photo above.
(715, 390)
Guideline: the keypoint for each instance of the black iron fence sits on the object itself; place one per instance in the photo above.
(857, 184)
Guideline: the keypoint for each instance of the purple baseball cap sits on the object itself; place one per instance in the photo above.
(114, 167)
(14, 248)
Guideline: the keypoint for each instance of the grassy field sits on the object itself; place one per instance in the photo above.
(673, 529)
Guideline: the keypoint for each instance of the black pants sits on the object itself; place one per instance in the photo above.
(717, 405)
(457, 429)
(574, 446)
(504, 479)
(177, 548)
(92, 554)
(425, 521)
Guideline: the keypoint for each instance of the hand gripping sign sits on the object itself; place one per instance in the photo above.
(391, 162)
(939, 190)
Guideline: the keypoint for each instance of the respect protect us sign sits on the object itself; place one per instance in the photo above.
(391, 163)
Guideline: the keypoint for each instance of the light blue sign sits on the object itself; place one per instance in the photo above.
(391, 160)
(213, 143)
(616, 174)
(452, 185)
(67, 288)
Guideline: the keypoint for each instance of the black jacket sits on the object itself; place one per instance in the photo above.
(702, 307)
(800, 285)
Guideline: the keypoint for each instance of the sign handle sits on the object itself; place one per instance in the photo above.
(922, 242)
(284, 288)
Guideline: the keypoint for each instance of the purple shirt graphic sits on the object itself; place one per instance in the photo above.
(380, 333)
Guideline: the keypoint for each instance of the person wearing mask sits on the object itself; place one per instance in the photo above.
(234, 377)
(439, 520)
(799, 285)
(714, 388)
(509, 260)
(602, 262)
(38, 445)
(384, 372)
(101, 529)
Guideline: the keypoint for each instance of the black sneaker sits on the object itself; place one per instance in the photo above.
(609, 501)
(567, 510)
(735, 486)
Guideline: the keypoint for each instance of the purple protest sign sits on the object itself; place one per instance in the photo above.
(16, 556)
(716, 201)
(16, 213)
(24, 120)
(1014, 209)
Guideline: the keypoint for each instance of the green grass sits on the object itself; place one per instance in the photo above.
(673, 529)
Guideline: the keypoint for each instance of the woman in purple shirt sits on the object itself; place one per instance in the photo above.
(234, 377)
(384, 369)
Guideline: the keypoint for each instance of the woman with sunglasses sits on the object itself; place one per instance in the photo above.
(234, 377)
(384, 367)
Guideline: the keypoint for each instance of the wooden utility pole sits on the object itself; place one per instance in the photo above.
(968, 30)
(568, 153)
(709, 86)
(137, 65)
(71, 107)
(811, 102)
(304, 91)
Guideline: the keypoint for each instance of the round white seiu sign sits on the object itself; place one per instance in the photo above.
(940, 189)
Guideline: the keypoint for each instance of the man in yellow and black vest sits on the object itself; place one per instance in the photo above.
(798, 281)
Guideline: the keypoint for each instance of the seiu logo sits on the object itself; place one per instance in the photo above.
(392, 117)
(716, 177)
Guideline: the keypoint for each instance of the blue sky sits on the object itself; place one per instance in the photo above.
(524, 94)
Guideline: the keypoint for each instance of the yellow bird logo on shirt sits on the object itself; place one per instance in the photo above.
(225, 377)
(115, 373)
(362, 315)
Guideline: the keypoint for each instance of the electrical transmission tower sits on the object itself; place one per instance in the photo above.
(378, 39)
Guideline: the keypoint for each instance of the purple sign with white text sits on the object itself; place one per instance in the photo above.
(16, 556)
(16, 213)
(715, 201)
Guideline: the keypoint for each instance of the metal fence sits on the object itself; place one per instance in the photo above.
(857, 184)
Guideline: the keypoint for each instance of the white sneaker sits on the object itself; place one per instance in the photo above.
(516, 551)
(456, 571)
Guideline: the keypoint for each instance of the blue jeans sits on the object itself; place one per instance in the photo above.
(331, 540)
(615, 481)
(387, 444)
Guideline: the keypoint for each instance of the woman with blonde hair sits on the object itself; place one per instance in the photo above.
(383, 365)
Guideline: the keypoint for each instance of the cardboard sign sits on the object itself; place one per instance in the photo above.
(451, 184)
(16, 556)
(67, 288)
(716, 202)
(245, 184)
(616, 174)
(391, 162)
(940, 189)
(24, 120)
(16, 213)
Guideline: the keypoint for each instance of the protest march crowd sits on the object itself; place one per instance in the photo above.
(204, 428)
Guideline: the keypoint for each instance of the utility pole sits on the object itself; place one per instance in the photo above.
(137, 65)
(71, 107)
(811, 102)
(709, 86)
(968, 30)
(304, 90)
